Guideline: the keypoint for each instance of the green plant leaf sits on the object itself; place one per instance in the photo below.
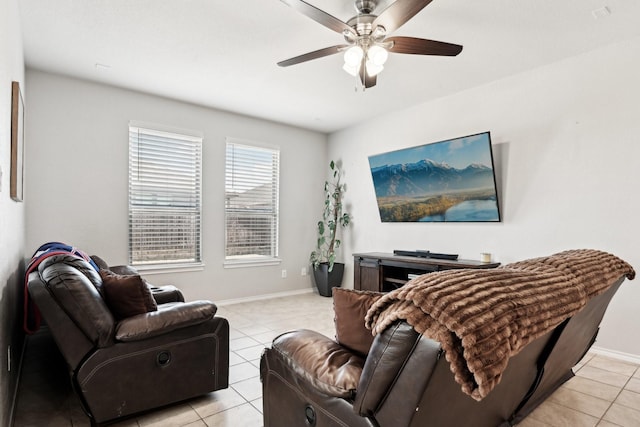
(332, 219)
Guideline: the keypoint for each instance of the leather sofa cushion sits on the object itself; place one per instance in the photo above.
(168, 317)
(331, 368)
(350, 307)
(75, 285)
(126, 296)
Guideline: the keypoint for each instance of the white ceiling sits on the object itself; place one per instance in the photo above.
(223, 54)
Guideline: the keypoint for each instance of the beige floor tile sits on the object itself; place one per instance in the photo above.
(580, 402)
(532, 422)
(606, 377)
(560, 416)
(281, 326)
(173, 416)
(629, 399)
(588, 356)
(633, 385)
(593, 388)
(251, 353)
(217, 401)
(612, 365)
(578, 366)
(234, 359)
(243, 342)
(198, 423)
(623, 416)
(234, 333)
(266, 337)
(253, 330)
(604, 423)
(250, 389)
(257, 404)
(238, 320)
(240, 416)
(242, 372)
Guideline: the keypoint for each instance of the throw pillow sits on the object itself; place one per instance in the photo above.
(350, 307)
(126, 296)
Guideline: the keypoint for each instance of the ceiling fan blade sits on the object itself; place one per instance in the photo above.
(398, 13)
(319, 16)
(313, 55)
(416, 46)
(367, 80)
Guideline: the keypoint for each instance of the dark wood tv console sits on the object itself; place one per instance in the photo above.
(383, 272)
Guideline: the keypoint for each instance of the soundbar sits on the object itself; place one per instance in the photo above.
(426, 254)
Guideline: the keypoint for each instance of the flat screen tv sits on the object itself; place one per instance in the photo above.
(446, 181)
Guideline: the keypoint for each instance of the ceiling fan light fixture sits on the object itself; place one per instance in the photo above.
(353, 56)
(373, 69)
(367, 46)
(377, 55)
(351, 69)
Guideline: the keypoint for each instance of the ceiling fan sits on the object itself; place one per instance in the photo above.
(367, 45)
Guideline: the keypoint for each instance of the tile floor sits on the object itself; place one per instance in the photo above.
(604, 393)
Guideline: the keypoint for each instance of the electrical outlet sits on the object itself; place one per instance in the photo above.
(303, 272)
(284, 274)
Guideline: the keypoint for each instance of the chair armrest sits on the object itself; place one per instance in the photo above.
(162, 294)
(168, 317)
(331, 368)
(165, 294)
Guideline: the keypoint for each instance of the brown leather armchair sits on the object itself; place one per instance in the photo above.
(405, 380)
(119, 368)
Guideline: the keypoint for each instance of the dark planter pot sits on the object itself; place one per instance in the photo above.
(325, 280)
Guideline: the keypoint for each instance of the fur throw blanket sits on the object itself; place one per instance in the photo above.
(483, 317)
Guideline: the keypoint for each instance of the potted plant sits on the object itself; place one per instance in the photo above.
(326, 271)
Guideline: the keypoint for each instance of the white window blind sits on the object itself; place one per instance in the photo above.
(251, 202)
(165, 172)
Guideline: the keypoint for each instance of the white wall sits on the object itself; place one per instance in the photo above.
(77, 180)
(11, 213)
(567, 146)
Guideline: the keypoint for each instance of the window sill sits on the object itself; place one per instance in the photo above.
(252, 262)
(168, 268)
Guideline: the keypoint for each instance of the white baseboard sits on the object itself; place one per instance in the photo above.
(626, 357)
(264, 296)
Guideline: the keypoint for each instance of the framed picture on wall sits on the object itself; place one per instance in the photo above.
(17, 143)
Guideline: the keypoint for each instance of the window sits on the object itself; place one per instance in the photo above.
(164, 197)
(251, 203)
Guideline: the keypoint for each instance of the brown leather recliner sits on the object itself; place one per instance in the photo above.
(119, 368)
(312, 381)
